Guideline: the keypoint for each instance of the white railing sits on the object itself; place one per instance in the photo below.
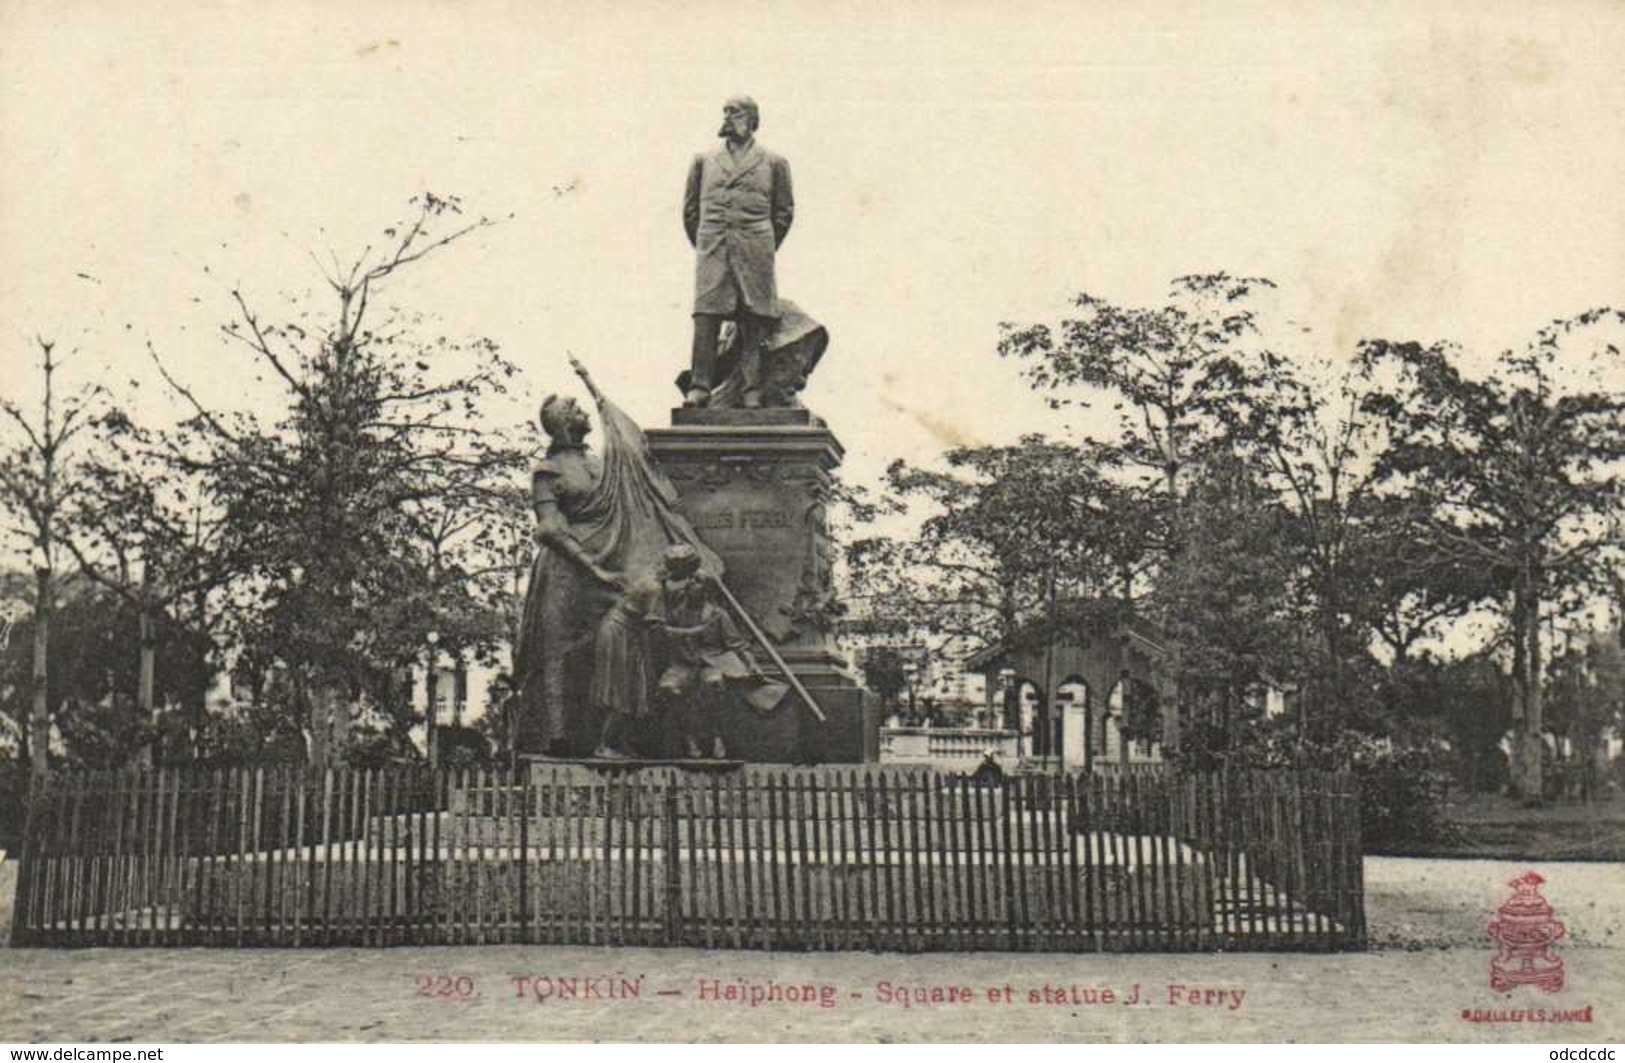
(1144, 768)
(949, 747)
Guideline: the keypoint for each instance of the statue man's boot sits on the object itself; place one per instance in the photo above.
(703, 363)
(752, 337)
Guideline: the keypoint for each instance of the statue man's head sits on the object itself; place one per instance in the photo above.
(740, 119)
(565, 422)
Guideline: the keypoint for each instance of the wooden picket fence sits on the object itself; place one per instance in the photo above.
(760, 857)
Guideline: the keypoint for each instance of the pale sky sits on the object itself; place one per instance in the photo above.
(1413, 170)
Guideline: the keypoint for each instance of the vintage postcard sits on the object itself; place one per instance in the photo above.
(936, 521)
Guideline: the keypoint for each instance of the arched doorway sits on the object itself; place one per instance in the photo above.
(1072, 714)
(1031, 719)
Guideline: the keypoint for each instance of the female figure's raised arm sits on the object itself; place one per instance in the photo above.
(586, 378)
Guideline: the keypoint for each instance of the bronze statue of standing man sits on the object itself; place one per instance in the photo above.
(737, 209)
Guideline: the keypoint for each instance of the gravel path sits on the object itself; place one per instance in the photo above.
(1414, 902)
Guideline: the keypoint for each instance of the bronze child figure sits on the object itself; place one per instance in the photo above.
(705, 652)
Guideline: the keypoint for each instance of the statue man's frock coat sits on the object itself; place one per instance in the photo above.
(737, 209)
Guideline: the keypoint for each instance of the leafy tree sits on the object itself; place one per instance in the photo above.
(1410, 590)
(1195, 393)
(1196, 390)
(1302, 444)
(1466, 704)
(1226, 606)
(885, 672)
(1278, 524)
(499, 724)
(475, 536)
(1587, 702)
(1003, 529)
(1519, 471)
(1171, 372)
(1361, 572)
(360, 514)
(145, 533)
(94, 676)
(1012, 530)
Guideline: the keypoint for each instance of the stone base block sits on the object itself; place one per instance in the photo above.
(791, 734)
(756, 484)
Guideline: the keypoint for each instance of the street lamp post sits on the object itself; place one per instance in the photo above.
(430, 709)
(911, 676)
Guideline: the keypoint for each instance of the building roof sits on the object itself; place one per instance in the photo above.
(1085, 616)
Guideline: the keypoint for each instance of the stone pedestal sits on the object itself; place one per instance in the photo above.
(756, 484)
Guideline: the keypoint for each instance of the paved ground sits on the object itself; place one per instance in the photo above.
(1427, 917)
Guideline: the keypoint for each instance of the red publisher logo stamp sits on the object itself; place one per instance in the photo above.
(1526, 931)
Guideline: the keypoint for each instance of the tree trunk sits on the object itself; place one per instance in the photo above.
(39, 715)
(144, 688)
(313, 691)
(1327, 713)
(1526, 750)
(200, 704)
(148, 753)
